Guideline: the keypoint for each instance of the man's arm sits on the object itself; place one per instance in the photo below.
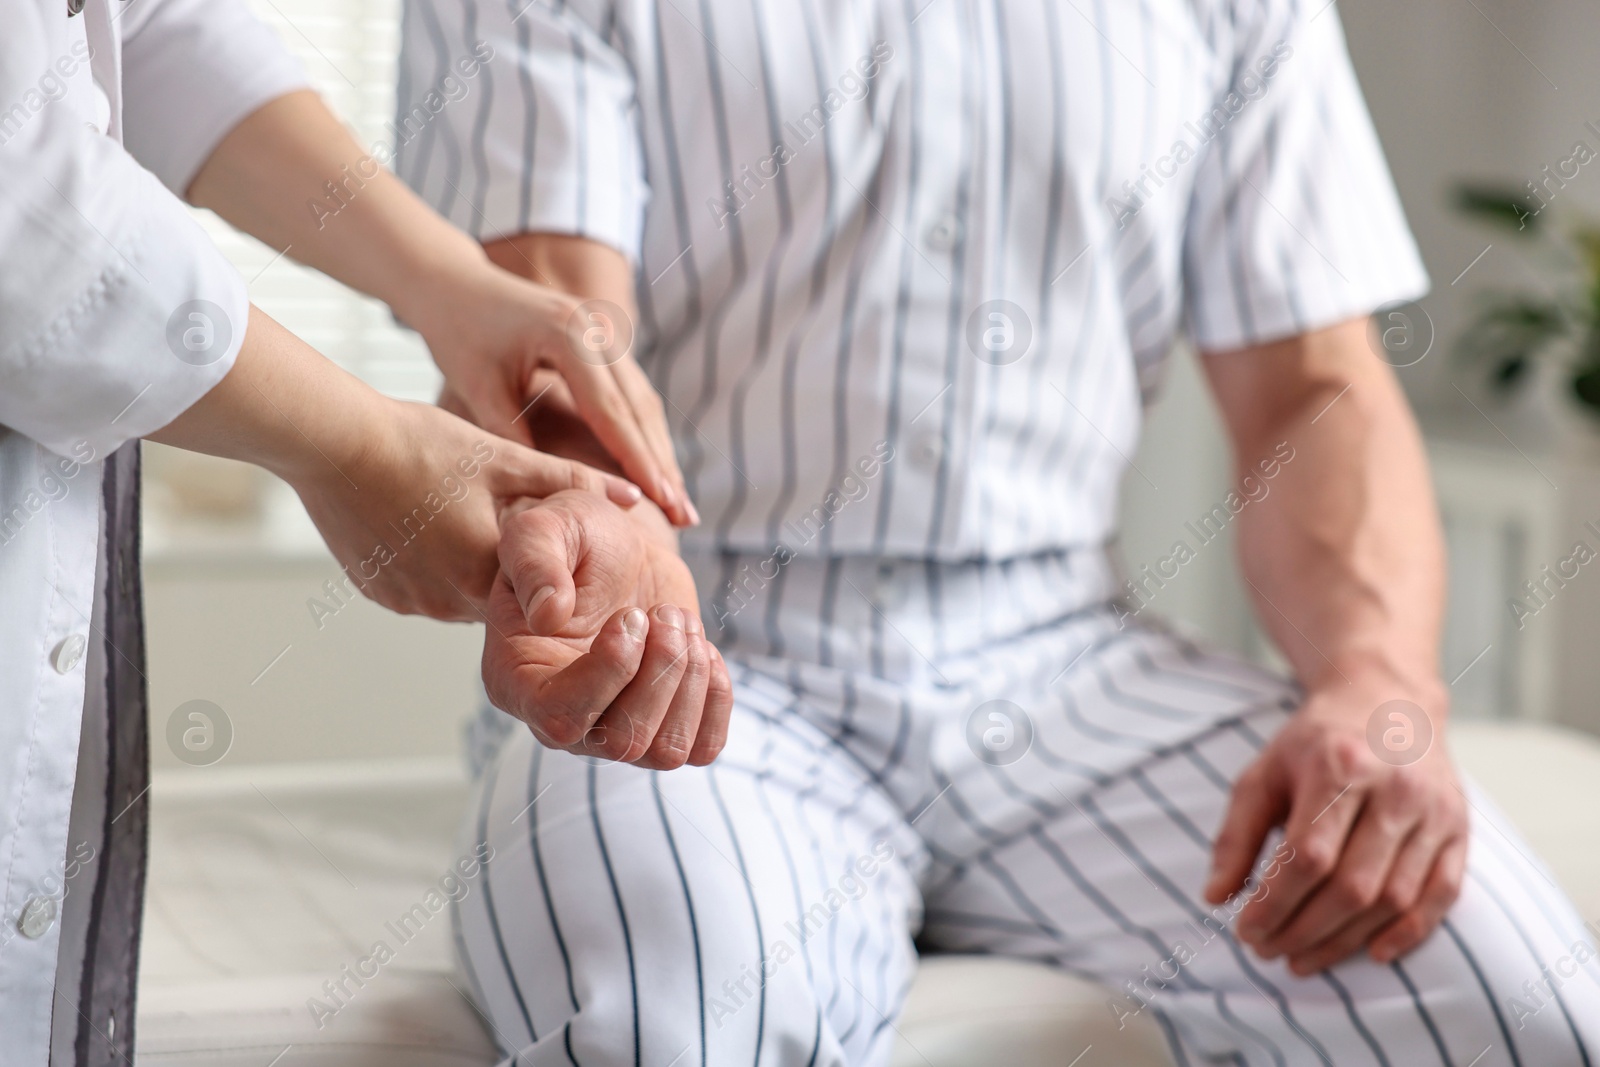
(1345, 562)
(663, 717)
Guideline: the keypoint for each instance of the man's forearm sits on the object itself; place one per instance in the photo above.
(1344, 558)
(1345, 562)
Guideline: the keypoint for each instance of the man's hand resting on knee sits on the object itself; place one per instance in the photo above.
(1376, 852)
(1344, 560)
(594, 639)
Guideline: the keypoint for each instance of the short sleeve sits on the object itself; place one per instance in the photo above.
(192, 70)
(1294, 222)
(521, 118)
(119, 312)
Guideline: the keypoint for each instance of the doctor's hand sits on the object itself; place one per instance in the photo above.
(492, 333)
(594, 636)
(1375, 853)
(413, 517)
(488, 329)
(406, 495)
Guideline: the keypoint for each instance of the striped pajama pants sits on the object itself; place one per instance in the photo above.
(770, 909)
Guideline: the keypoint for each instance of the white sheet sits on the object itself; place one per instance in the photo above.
(266, 881)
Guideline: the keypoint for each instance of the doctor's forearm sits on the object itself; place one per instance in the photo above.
(293, 176)
(1345, 556)
(282, 406)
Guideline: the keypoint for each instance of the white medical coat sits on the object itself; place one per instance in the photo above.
(104, 118)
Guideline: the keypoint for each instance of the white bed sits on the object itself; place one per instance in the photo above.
(266, 881)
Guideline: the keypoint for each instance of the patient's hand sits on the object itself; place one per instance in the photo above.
(595, 638)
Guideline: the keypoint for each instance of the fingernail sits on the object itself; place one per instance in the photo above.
(670, 615)
(540, 597)
(635, 625)
(694, 512)
(632, 492)
(691, 624)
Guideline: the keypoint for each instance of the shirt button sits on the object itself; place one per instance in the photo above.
(943, 234)
(38, 915)
(928, 450)
(69, 653)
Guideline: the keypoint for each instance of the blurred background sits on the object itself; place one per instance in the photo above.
(1461, 90)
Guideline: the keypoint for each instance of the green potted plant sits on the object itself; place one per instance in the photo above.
(1516, 330)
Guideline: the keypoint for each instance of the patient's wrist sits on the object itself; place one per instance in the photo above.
(1358, 687)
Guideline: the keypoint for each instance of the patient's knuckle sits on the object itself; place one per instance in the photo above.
(1348, 757)
(1408, 929)
(1317, 857)
(609, 742)
(671, 747)
(1357, 891)
(1398, 895)
(1406, 792)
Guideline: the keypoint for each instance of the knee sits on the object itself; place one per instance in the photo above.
(1559, 1013)
(698, 1017)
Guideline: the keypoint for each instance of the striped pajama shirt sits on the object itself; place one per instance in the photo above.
(908, 273)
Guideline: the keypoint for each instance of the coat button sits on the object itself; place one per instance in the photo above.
(69, 653)
(38, 915)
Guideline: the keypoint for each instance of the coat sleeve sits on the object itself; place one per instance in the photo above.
(116, 310)
(191, 71)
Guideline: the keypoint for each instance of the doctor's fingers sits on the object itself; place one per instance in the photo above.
(651, 412)
(518, 471)
(629, 421)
